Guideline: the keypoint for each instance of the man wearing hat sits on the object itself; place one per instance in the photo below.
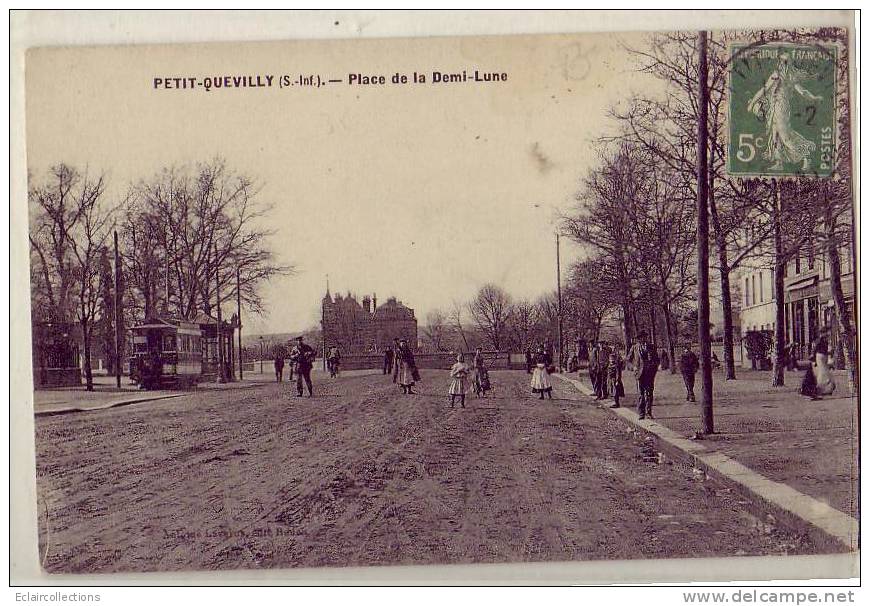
(303, 356)
(645, 361)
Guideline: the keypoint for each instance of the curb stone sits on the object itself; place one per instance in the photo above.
(826, 527)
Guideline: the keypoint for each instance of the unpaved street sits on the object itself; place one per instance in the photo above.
(362, 475)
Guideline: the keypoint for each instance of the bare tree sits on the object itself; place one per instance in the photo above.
(71, 225)
(522, 324)
(455, 319)
(435, 329)
(490, 310)
(588, 297)
(184, 215)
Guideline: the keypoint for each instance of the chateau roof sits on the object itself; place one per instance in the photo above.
(393, 310)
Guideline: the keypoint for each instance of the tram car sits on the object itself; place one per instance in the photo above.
(166, 353)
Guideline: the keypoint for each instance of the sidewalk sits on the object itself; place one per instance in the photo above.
(794, 459)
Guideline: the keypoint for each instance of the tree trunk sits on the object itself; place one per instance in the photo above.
(672, 348)
(847, 335)
(779, 295)
(86, 344)
(727, 319)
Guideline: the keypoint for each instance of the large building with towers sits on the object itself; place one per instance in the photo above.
(365, 327)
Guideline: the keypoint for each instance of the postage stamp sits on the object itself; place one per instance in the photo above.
(782, 110)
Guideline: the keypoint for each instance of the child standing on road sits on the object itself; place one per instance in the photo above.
(459, 384)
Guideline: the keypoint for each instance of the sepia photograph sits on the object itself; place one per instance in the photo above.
(444, 300)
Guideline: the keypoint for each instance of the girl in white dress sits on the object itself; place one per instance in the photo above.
(459, 384)
(540, 377)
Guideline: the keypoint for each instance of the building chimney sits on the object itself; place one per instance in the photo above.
(374, 301)
(367, 304)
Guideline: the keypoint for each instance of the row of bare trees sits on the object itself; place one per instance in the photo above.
(635, 209)
(494, 320)
(181, 231)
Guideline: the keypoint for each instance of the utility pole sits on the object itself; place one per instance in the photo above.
(704, 243)
(118, 330)
(559, 296)
(222, 376)
(239, 315)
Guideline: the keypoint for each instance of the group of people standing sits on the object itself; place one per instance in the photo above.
(302, 357)
(465, 378)
(399, 362)
(606, 366)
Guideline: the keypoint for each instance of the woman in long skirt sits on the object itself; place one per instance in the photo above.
(407, 369)
(459, 384)
(818, 380)
(540, 378)
(481, 375)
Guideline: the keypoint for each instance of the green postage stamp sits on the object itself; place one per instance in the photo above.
(782, 110)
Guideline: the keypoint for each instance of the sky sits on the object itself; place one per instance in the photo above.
(424, 192)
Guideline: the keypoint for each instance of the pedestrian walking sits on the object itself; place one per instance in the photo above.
(644, 362)
(615, 364)
(818, 380)
(388, 361)
(396, 344)
(604, 352)
(303, 356)
(540, 376)
(481, 375)
(279, 365)
(333, 360)
(689, 364)
(407, 374)
(459, 383)
(595, 369)
(529, 360)
(665, 360)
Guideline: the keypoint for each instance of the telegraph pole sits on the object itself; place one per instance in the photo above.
(222, 376)
(704, 243)
(119, 336)
(239, 314)
(559, 296)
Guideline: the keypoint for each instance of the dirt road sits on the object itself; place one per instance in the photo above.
(362, 475)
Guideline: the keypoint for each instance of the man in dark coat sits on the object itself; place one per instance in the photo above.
(279, 365)
(645, 361)
(388, 360)
(303, 356)
(688, 368)
(529, 360)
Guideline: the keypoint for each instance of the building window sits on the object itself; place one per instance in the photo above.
(845, 260)
(761, 287)
(753, 289)
(797, 263)
(811, 256)
(746, 292)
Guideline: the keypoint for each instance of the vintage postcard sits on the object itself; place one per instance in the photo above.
(553, 298)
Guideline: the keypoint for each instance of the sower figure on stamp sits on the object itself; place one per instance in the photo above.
(688, 368)
(303, 356)
(645, 362)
